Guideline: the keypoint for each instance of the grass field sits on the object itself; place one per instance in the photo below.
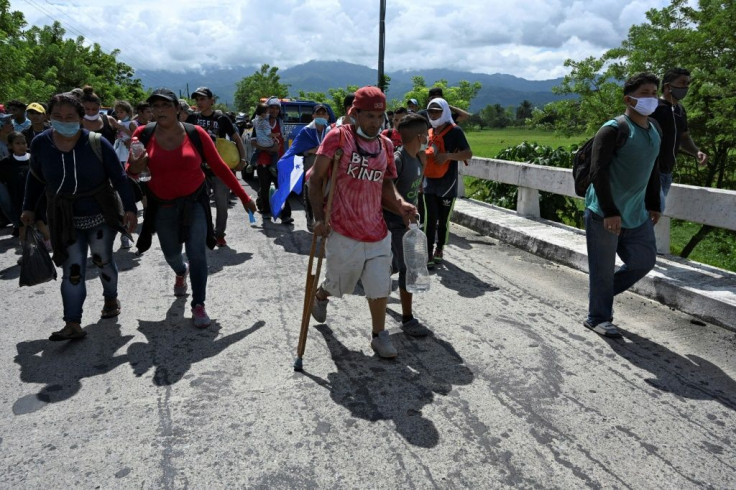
(717, 249)
(489, 142)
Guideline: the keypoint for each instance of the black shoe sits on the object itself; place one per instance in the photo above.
(287, 221)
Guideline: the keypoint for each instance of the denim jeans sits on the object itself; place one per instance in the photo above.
(665, 182)
(98, 241)
(167, 229)
(221, 192)
(637, 249)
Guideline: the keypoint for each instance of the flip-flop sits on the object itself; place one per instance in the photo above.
(111, 311)
(71, 335)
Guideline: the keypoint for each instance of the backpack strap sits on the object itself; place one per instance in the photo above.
(95, 141)
(193, 135)
(622, 131)
(145, 135)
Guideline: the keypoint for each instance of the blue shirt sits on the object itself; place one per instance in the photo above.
(629, 174)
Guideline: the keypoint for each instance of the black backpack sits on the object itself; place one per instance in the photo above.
(581, 158)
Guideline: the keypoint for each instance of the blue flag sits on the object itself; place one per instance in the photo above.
(291, 168)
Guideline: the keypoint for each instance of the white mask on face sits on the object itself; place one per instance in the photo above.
(92, 118)
(364, 135)
(645, 105)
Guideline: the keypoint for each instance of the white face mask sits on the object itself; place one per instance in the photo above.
(423, 146)
(645, 105)
(92, 118)
(362, 134)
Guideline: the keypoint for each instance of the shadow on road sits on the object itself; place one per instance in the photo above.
(377, 389)
(293, 241)
(174, 345)
(467, 284)
(219, 258)
(61, 366)
(687, 376)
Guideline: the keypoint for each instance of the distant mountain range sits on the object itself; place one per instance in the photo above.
(319, 76)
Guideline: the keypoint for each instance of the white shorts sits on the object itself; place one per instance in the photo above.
(348, 260)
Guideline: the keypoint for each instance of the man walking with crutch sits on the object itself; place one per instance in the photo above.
(359, 245)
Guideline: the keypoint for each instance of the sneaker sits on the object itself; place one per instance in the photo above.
(201, 320)
(287, 221)
(437, 256)
(221, 242)
(319, 309)
(413, 328)
(125, 242)
(180, 285)
(607, 329)
(430, 263)
(383, 346)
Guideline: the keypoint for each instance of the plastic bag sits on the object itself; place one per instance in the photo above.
(36, 266)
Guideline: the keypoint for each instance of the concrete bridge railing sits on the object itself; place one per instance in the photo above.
(715, 207)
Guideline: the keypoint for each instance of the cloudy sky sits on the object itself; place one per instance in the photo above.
(530, 39)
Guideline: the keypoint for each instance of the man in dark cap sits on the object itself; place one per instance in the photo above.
(217, 125)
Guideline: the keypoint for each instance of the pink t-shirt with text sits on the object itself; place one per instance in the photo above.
(356, 207)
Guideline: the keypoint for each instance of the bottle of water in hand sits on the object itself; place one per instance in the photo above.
(137, 150)
(415, 259)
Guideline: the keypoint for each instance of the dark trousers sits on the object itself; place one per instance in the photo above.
(265, 178)
(437, 220)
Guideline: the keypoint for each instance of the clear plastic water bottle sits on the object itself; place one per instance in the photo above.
(136, 150)
(415, 259)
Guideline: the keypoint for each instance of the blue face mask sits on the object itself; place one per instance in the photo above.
(321, 121)
(67, 129)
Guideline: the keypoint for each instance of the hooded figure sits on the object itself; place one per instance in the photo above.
(446, 117)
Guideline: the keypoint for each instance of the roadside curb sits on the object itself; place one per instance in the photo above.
(702, 291)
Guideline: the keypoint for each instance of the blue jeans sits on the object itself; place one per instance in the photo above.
(637, 249)
(98, 241)
(665, 182)
(167, 229)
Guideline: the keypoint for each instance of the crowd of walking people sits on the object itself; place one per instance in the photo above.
(74, 172)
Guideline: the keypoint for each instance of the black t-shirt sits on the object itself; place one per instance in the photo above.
(30, 133)
(673, 121)
(446, 186)
(217, 124)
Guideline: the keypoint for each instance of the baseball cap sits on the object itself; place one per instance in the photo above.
(369, 99)
(318, 107)
(434, 106)
(413, 101)
(204, 91)
(163, 93)
(273, 100)
(5, 119)
(36, 107)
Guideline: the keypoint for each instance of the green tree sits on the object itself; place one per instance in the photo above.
(39, 62)
(457, 96)
(262, 83)
(524, 111)
(338, 96)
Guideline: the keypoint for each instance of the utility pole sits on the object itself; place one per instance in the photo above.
(381, 46)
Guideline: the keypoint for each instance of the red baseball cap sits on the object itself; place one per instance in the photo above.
(369, 99)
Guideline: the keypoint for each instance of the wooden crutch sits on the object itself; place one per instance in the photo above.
(310, 289)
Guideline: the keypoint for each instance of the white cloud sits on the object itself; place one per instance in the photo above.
(529, 39)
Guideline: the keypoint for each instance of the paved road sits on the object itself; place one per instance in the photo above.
(511, 391)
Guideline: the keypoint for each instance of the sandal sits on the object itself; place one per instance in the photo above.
(111, 309)
(69, 332)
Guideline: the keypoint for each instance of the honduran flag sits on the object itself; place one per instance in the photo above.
(291, 167)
